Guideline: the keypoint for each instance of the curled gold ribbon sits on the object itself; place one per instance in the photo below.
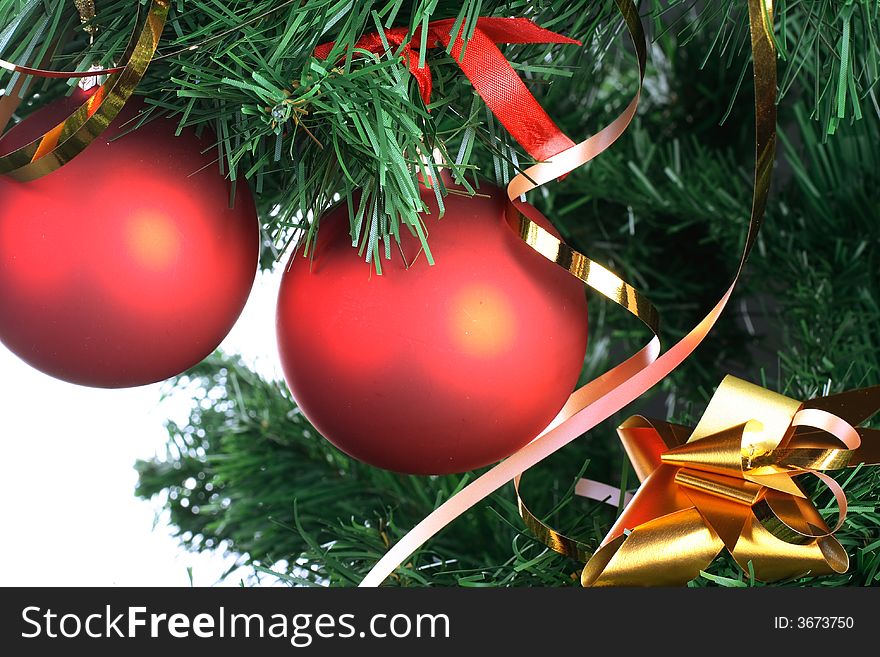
(70, 137)
(730, 484)
(609, 393)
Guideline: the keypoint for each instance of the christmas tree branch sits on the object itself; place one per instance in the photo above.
(308, 132)
(666, 207)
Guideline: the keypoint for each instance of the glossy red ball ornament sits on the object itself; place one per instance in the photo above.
(432, 369)
(125, 266)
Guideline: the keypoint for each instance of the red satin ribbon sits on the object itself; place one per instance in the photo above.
(58, 75)
(488, 70)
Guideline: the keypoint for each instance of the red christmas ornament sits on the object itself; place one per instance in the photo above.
(125, 266)
(432, 369)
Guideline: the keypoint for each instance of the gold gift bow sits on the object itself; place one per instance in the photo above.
(728, 484)
(71, 137)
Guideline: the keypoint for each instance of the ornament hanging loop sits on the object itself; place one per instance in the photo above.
(87, 13)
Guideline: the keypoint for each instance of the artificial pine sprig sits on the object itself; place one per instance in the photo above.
(308, 133)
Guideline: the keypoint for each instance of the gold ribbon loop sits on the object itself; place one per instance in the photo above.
(722, 453)
(730, 488)
(69, 138)
(623, 561)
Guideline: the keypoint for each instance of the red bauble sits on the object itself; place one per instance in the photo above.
(432, 369)
(126, 266)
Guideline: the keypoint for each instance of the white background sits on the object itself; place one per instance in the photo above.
(69, 514)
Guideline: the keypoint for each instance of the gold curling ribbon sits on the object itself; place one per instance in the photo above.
(610, 392)
(731, 485)
(70, 137)
(729, 482)
(764, 64)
